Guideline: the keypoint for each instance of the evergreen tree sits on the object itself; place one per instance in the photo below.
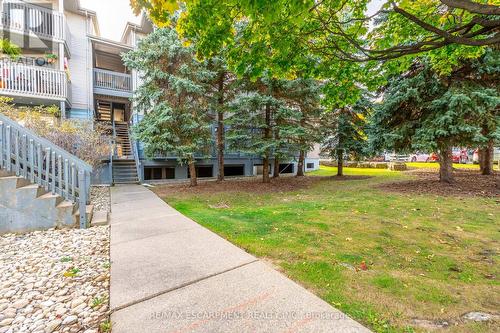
(172, 96)
(261, 123)
(344, 132)
(424, 111)
(221, 90)
(304, 95)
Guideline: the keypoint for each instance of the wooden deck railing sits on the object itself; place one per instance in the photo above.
(45, 164)
(110, 80)
(32, 81)
(28, 18)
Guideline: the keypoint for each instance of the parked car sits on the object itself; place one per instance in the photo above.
(420, 157)
(460, 155)
(434, 157)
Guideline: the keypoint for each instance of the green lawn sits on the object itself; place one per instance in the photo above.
(432, 165)
(428, 257)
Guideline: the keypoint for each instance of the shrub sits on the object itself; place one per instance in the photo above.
(83, 138)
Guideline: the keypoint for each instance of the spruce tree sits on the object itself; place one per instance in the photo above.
(424, 111)
(344, 132)
(261, 123)
(172, 96)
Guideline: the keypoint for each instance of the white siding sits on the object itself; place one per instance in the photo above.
(78, 67)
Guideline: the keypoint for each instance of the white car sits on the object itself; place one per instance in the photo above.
(420, 157)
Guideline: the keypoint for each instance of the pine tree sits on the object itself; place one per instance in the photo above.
(304, 95)
(172, 96)
(261, 123)
(221, 90)
(424, 111)
(344, 132)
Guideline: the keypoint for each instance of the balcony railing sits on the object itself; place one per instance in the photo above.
(27, 18)
(32, 81)
(109, 80)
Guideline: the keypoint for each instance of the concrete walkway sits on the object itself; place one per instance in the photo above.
(169, 274)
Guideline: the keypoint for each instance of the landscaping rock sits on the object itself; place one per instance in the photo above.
(429, 324)
(398, 166)
(365, 165)
(379, 165)
(47, 279)
(479, 316)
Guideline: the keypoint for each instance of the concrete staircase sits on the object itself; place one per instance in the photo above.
(27, 207)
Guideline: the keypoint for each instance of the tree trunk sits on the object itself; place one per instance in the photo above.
(300, 164)
(340, 162)
(220, 129)
(265, 170)
(192, 173)
(276, 168)
(267, 137)
(486, 159)
(446, 164)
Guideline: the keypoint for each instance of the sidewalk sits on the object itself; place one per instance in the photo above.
(169, 274)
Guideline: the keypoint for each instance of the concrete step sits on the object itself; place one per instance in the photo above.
(28, 207)
(100, 218)
(89, 209)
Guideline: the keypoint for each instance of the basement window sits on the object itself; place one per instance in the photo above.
(203, 171)
(234, 170)
(286, 168)
(151, 173)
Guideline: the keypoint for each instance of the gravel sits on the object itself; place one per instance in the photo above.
(100, 197)
(54, 281)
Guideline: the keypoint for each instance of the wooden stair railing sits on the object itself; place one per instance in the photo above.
(41, 162)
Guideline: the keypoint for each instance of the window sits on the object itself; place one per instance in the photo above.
(286, 168)
(203, 171)
(156, 173)
(310, 166)
(234, 170)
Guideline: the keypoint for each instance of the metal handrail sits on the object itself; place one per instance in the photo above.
(42, 162)
(133, 144)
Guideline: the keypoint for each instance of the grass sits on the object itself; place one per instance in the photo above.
(432, 165)
(428, 257)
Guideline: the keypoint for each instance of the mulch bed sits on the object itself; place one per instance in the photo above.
(251, 185)
(468, 183)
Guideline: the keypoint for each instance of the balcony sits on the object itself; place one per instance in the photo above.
(29, 19)
(17, 80)
(112, 83)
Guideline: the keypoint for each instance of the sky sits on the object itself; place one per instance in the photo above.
(112, 16)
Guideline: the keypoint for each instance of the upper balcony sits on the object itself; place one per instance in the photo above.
(110, 76)
(35, 21)
(25, 83)
(112, 83)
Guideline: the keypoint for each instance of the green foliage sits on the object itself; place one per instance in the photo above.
(274, 117)
(9, 48)
(172, 97)
(424, 111)
(344, 130)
